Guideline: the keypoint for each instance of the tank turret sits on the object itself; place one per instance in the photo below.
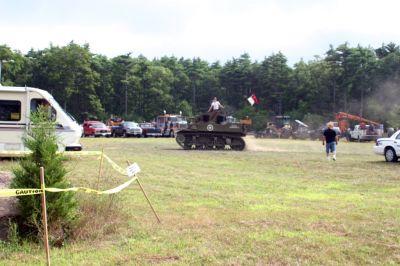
(205, 133)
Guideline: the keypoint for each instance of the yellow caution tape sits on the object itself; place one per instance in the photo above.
(89, 190)
(115, 166)
(81, 153)
(27, 191)
(73, 154)
(19, 192)
(69, 153)
(14, 153)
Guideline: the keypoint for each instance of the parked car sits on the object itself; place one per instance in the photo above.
(150, 130)
(389, 147)
(126, 129)
(96, 129)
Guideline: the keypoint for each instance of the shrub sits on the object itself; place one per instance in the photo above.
(61, 207)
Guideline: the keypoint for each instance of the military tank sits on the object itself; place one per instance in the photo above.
(205, 133)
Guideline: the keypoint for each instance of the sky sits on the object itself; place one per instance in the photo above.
(214, 30)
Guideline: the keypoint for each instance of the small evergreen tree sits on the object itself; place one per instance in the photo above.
(61, 207)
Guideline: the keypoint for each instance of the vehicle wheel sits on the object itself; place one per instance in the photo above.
(220, 144)
(202, 143)
(390, 155)
(187, 146)
(237, 144)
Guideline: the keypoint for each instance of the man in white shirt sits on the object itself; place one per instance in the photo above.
(215, 107)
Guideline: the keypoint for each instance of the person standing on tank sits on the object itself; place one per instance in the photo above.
(215, 108)
(331, 139)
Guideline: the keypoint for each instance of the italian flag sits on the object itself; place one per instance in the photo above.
(253, 99)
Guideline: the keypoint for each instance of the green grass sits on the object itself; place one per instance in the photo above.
(280, 202)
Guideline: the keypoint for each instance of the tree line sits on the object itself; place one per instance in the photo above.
(359, 80)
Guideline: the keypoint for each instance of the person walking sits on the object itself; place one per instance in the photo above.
(331, 139)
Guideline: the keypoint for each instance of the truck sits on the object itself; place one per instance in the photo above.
(95, 129)
(16, 105)
(365, 130)
(126, 129)
(170, 124)
(150, 130)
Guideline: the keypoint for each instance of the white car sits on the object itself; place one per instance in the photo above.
(389, 147)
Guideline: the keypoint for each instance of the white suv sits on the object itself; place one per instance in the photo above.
(389, 147)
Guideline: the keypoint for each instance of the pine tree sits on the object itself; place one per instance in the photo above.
(41, 139)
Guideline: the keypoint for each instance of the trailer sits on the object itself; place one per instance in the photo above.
(16, 105)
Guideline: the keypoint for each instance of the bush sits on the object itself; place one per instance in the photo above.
(61, 207)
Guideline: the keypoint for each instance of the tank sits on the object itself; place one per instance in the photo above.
(205, 133)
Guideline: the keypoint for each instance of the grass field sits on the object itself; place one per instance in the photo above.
(279, 202)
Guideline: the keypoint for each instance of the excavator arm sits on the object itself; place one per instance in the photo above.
(341, 117)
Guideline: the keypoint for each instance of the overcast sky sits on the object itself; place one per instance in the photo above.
(210, 29)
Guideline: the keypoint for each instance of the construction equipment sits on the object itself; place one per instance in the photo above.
(203, 133)
(280, 127)
(114, 121)
(365, 130)
(302, 131)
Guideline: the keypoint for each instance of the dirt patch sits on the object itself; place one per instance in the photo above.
(162, 259)
(8, 206)
(252, 145)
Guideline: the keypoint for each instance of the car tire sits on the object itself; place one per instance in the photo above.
(390, 155)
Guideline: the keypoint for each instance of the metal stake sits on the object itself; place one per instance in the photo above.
(147, 198)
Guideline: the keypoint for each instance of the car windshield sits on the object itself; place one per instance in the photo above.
(131, 124)
(99, 125)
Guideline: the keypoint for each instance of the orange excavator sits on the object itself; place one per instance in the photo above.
(365, 130)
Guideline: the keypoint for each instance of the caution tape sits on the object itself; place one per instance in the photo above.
(73, 154)
(89, 190)
(14, 153)
(19, 192)
(115, 166)
(27, 191)
(81, 153)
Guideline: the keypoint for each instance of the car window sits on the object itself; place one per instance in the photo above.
(398, 136)
(10, 110)
(99, 125)
(131, 124)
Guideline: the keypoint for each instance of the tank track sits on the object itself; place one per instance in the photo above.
(209, 141)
